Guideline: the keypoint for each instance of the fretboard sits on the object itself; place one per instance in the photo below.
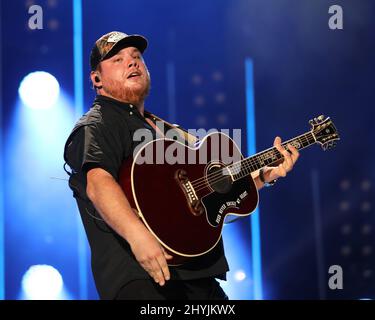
(267, 157)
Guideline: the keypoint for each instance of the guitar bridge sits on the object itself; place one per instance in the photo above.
(192, 199)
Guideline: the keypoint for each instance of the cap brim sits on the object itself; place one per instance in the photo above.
(135, 40)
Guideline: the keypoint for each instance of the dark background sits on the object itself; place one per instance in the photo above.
(322, 214)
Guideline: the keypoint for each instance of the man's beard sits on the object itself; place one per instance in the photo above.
(119, 91)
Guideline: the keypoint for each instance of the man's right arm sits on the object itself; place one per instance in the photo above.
(109, 199)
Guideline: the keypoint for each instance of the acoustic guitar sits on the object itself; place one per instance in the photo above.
(183, 194)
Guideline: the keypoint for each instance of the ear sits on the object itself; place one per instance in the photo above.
(94, 74)
(96, 80)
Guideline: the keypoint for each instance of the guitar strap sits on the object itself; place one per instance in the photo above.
(183, 133)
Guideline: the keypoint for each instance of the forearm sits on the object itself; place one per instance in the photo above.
(112, 204)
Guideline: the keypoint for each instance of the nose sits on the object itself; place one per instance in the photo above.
(133, 63)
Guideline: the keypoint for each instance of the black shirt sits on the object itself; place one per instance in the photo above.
(103, 138)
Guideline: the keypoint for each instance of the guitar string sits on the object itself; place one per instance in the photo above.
(247, 169)
(247, 164)
(244, 168)
(252, 160)
(219, 177)
(251, 165)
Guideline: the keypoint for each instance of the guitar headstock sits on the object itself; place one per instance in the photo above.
(324, 132)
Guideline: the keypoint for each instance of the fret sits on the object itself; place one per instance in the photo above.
(246, 166)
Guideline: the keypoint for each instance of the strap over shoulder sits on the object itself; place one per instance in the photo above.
(184, 134)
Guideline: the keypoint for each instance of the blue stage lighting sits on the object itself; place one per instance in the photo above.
(240, 275)
(42, 282)
(39, 90)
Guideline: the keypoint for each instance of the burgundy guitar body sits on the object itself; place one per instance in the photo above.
(184, 204)
(183, 194)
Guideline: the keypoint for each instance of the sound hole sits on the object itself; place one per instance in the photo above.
(217, 180)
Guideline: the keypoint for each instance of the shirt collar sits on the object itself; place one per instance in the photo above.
(132, 109)
(123, 105)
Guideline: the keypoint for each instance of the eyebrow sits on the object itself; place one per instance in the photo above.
(135, 50)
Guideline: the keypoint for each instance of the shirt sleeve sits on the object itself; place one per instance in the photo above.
(103, 147)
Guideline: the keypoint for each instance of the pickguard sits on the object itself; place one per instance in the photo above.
(216, 204)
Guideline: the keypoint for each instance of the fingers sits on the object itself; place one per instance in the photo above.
(290, 157)
(166, 254)
(163, 264)
(152, 267)
(163, 271)
(157, 272)
(287, 159)
(277, 141)
(157, 267)
(295, 153)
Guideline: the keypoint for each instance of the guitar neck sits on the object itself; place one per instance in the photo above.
(268, 157)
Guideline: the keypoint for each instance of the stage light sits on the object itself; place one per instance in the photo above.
(42, 282)
(240, 275)
(39, 90)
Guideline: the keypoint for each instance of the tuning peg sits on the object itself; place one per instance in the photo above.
(329, 145)
(317, 120)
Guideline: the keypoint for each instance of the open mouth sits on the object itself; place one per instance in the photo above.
(134, 74)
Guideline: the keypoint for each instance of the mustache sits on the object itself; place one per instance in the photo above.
(118, 89)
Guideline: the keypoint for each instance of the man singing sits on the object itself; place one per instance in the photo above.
(127, 260)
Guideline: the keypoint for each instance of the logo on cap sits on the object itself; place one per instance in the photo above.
(116, 36)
